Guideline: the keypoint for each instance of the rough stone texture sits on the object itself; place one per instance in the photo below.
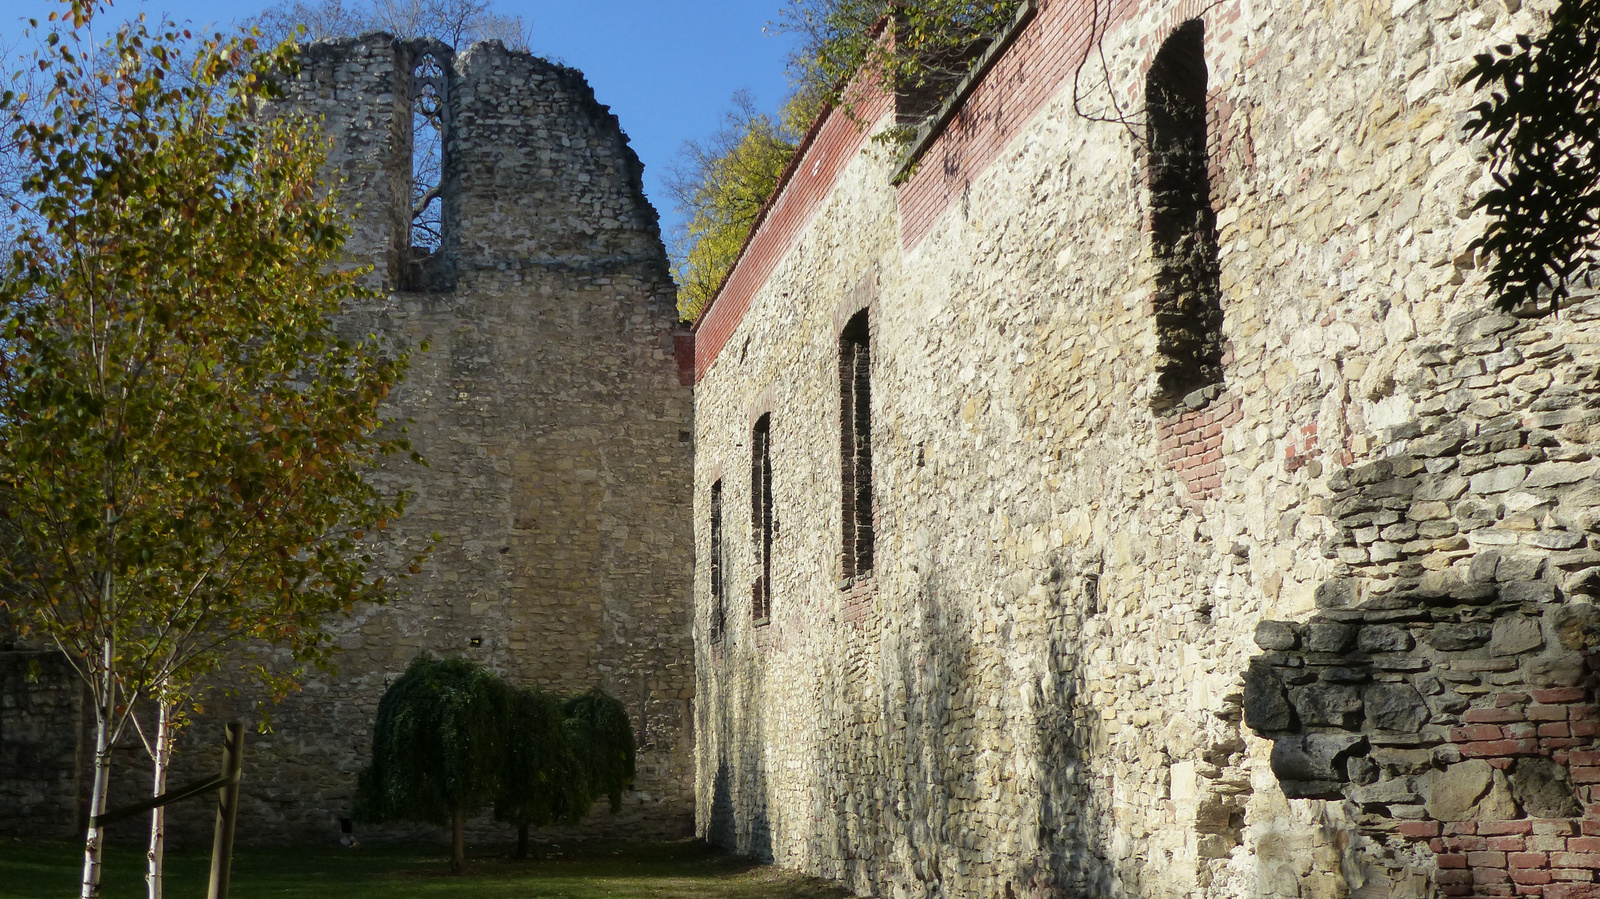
(550, 411)
(1045, 693)
(40, 724)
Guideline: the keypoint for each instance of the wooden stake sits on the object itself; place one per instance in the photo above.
(227, 811)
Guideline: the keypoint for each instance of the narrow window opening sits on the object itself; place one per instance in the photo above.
(719, 602)
(855, 446)
(430, 130)
(761, 518)
(1188, 296)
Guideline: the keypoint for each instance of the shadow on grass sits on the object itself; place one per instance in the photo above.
(684, 870)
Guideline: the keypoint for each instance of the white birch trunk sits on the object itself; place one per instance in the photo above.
(94, 841)
(158, 816)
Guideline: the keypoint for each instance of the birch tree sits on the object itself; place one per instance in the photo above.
(186, 442)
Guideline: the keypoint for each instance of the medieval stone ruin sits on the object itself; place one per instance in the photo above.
(551, 413)
(1131, 491)
(1127, 489)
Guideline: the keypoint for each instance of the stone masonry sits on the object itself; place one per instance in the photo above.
(549, 408)
(1319, 627)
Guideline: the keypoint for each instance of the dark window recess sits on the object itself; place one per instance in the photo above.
(719, 596)
(855, 445)
(1183, 235)
(761, 518)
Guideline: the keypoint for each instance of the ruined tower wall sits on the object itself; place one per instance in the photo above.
(548, 407)
(1040, 689)
(545, 397)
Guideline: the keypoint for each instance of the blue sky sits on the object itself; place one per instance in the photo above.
(667, 68)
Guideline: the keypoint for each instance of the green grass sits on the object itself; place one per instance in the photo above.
(49, 870)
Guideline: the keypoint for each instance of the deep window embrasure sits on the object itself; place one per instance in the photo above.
(430, 130)
(1188, 301)
(855, 446)
(428, 86)
(719, 596)
(761, 518)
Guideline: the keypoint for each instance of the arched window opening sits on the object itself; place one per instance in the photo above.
(1188, 301)
(761, 518)
(855, 446)
(430, 130)
(719, 596)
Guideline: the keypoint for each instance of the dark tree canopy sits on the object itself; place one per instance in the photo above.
(602, 740)
(451, 739)
(1542, 125)
(436, 743)
(541, 783)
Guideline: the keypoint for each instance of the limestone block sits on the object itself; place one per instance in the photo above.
(1454, 792)
(1515, 635)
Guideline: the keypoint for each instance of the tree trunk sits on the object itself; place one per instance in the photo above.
(458, 841)
(522, 840)
(94, 838)
(158, 816)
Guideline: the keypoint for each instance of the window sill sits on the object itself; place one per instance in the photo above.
(859, 582)
(858, 599)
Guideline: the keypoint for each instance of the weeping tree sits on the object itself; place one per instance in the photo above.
(561, 757)
(601, 737)
(437, 748)
(542, 782)
(451, 738)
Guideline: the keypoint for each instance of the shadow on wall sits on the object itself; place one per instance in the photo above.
(912, 788)
(739, 804)
(1073, 818)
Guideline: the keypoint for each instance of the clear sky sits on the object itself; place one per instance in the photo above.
(666, 67)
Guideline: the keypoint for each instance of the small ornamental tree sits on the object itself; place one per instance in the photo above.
(185, 441)
(542, 782)
(601, 738)
(437, 748)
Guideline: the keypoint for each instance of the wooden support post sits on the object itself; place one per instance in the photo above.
(227, 811)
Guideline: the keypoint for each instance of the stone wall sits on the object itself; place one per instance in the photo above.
(40, 729)
(1445, 685)
(549, 409)
(1041, 689)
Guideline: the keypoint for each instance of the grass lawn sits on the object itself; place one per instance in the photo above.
(49, 870)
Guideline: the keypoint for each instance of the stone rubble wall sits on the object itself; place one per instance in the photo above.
(1041, 690)
(40, 723)
(557, 435)
(1445, 686)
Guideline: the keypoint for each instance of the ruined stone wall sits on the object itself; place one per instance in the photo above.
(40, 728)
(1041, 689)
(1445, 685)
(548, 406)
